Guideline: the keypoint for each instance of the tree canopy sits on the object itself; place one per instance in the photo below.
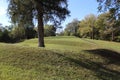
(71, 28)
(87, 26)
(110, 5)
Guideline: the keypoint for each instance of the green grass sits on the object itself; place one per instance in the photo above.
(64, 58)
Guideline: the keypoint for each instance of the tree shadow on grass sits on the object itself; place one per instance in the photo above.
(21, 60)
(100, 71)
(112, 56)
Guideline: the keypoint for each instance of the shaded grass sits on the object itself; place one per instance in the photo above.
(64, 58)
(113, 57)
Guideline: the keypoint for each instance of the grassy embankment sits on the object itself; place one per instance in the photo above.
(64, 58)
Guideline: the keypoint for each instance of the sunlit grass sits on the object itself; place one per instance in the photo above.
(64, 58)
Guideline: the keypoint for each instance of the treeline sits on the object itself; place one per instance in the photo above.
(105, 26)
(14, 33)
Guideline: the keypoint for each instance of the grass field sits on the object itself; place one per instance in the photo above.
(64, 58)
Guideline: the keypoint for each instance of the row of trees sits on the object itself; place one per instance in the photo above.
(14, 33)
(103, 26)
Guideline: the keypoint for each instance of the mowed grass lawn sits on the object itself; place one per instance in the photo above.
(64, 58)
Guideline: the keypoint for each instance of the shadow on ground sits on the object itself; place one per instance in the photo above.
(111, 56)
(103, 73)
(52, 58)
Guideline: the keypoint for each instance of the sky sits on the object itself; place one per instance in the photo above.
(3, 13)
(78, 8)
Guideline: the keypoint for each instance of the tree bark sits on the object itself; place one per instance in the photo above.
(112, 35)
(40, 26)
(92, 33)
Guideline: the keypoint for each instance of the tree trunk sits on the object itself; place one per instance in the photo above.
(112, 35)
(40, 26)
(92, 32)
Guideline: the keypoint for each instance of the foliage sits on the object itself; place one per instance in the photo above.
(18, 33)
(105, 26)
(71, 28)
(14, 33)
(50, 30)
(102, 26)
(106, 5)
(4, 36)
(113, 7)
(30, 32)
(108, 26)
(88, 26)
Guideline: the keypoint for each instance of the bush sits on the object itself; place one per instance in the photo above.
(17, 34)
(49, 30)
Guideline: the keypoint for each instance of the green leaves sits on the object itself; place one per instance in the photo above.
(106, 5)
(54, 11)
(88, 25)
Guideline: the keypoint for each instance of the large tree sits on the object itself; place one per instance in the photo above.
(24, 11)
(101, 25)
(113, 7)
(72, 27)
(88, 25)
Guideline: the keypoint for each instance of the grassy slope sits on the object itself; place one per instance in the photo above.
(64, 58)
